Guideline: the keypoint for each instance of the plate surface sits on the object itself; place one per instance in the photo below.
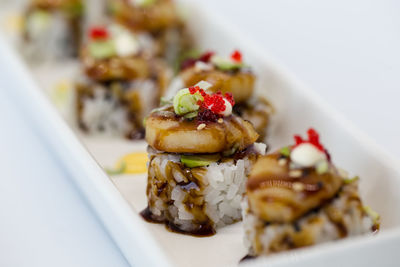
(119, 200)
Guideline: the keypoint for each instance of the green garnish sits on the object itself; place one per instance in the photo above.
(145, 3)
(102, 49)
(285, 151)
(165, 101)
(371, 213)
(350, 180)
(225, 64)
(120, 170)
(198, 161)
(39, 20)
(322, 167)
(74, 9)
(184, 102)
(191, 115)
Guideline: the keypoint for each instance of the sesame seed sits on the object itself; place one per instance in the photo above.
(295, 173)
(220, 120)
(298, 187)
(282, 162)
(201, 126)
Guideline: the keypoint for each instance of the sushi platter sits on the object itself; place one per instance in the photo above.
(190, 143)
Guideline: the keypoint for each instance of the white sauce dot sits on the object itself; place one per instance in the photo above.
(306, 155)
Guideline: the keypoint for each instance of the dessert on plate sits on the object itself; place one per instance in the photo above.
(297, 197)
(200, 155)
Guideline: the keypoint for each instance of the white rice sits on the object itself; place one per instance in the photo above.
(224, 185)
(102, 115)
(106, 116)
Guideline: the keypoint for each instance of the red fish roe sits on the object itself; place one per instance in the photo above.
(236, 56)
(313, 138)
(206, 56)
(98, 33)
(229, 97)
(206, 115)
(214, 103)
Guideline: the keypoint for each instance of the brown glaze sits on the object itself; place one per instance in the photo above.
(167, 132)
(159, 187)
(239, 83)
(277, 195)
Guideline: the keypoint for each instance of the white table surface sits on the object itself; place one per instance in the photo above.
(347, 51)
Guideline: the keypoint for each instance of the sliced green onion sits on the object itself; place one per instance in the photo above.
(165, 101)
(371, 213)
(184, 102)
(102, 49)
(322, 167)
(204, 85)
(145, 3)
(191, 115)
(225, 64)
(285, 151)
(350, 180)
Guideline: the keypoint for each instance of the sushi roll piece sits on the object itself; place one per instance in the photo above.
(229, 75)
(200, 155)
(123, 82)
(296, 197)
(52, 29)
(158, 18)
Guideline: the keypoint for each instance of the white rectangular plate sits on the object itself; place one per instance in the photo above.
(119, 201)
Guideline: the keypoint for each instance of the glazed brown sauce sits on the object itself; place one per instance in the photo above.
(202, 231)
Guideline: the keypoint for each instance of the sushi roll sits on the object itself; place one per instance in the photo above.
(229, 75)
(123, 82)
(158, 18)
(296, 197)
(52, 29)
(199, 157)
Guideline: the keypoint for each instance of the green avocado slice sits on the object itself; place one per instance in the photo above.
(198, 160)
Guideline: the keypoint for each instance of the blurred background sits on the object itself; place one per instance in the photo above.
(346, 51)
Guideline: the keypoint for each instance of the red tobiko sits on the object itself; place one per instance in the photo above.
(206, 56)
(313, 138)
(190, 62)
(236, 56)
(98, 32)
(214, 102)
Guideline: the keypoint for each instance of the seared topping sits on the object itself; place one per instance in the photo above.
(225, 74)
(167, 132)
(292, 181)
(278, 193)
